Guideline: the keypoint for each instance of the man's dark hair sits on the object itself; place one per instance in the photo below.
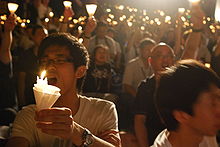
(179, 88)
(77, 50)
(146, 41)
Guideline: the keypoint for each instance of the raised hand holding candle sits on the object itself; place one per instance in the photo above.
(45, 95)
(12, 7)
(91, 8)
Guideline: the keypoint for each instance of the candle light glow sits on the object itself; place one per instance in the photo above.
(91, 8)
(67, 4)
(12, 7)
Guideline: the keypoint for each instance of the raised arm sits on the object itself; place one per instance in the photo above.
(89, 28)
(194, 38)
(68, 12)
(5, 53)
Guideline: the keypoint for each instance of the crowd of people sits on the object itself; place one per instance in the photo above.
(120, 85)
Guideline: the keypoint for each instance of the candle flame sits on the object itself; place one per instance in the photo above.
(43, 74)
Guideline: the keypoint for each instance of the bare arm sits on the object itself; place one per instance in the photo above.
(18, 142)
(5, 53)
(141, 130)
(68, 12)
(194, 39)
(89, 28)
(178, 36)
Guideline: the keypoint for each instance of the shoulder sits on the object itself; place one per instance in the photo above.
(26, 112)
(150, 81)
(96, 103)
(133, 63)
(162, 140)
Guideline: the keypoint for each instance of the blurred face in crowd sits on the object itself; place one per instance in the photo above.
(101, 55)
(205, 118)
(39, 35)
(161, 57)
(101, 31)
(110, 34)
(145, 52)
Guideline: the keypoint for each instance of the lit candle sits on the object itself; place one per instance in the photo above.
(67, 4)
(80, 29)
(217, 11)
(23, 25)
(12, 7)
(194, 1)
(91, 8)
(45, 95)
(167, 19)
(51, 14)
(181, 10)
(207, 65)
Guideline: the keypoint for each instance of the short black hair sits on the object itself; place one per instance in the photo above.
(77, 50)
(179, 88)
(146, 41)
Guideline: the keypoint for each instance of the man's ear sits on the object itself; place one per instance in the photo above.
(80, 72)
(181, 117)
(149, 59)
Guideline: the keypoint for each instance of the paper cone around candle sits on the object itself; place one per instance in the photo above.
(45, 100)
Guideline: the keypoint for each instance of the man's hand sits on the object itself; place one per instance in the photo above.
(10, 23)
(68, 12)
(90, 26)
(56, 121)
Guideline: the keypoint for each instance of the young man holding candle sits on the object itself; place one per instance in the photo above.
(74, 120)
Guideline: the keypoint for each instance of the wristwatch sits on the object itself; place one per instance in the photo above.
(87, 138)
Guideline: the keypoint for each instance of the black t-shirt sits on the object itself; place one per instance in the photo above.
(28, 64)
(7, 86)
(98, 78)
(144, 104)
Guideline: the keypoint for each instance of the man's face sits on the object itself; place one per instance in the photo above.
(145, 52)
(101, 55)
(56, 60)
(101, 31)
(205, 119)
(161, 58)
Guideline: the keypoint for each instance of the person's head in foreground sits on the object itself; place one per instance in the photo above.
(64, 59)
(188, 100)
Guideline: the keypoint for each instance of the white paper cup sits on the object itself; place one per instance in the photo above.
(45, 100)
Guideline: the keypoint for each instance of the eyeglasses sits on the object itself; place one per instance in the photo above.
(56, 61)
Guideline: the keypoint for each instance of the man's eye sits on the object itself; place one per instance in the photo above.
(59, 60)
